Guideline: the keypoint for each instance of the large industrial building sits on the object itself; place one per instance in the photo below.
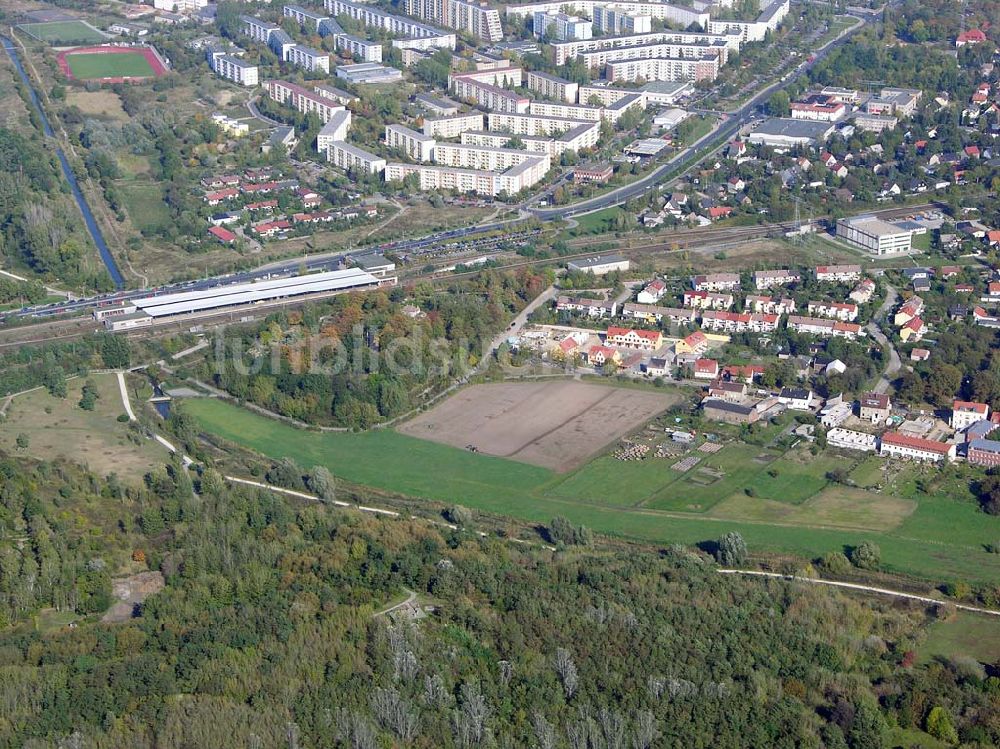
(875, 235)
(138, 313)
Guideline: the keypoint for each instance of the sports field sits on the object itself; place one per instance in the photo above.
(87, 66)
(63, 33)
(937, 536)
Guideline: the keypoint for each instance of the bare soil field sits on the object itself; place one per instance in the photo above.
(557, 425)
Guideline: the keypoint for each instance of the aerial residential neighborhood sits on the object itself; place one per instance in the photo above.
(365, 363)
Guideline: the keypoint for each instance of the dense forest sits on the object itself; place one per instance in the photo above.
(38, 229)
(359, 359)
(265, 635)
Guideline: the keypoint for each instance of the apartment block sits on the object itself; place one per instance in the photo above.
(612, 20)
(552, 87)
(476, 18)
(436, 177)
(347, 157)
(561, 26)
(452, 126)
(307, 19)
(257, 29)
(415, 145)
(565, 51)
(682, 15)
(334, 130)
(303, 100)
(234, 69)
(416, 35)
(308, 58)
(360, 49)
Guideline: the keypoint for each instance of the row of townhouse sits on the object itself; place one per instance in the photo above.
(716, 282)
(845, 311)
(769, 305)
(824, 328)
(766, 279)
(708, 300)
(589, 307)
(651, 313)
(838, 273)
(738, 322)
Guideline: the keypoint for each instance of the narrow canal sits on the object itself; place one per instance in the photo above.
(88, 215)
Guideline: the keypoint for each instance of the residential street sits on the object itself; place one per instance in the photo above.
(894, 364)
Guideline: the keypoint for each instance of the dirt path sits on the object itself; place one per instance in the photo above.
(864, 589)
(410, 598)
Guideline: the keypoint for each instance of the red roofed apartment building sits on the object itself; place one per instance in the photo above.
(706, 369)
(896, 445)
(647, 340)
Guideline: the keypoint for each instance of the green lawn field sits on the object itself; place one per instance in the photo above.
(145, 205)
(63, 33)
(86, 66)
(963, 634)
(939, 539)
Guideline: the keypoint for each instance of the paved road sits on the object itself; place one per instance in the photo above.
(894, 364)
(703, 146)
(863, 588)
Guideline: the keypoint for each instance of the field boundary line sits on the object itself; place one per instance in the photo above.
(861, 588)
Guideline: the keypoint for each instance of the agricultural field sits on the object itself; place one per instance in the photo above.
(63, 33)
(88, 66)
(935, 536)
(57, 428)
(557, 425)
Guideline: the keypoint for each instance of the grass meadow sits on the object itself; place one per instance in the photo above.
(932, 536)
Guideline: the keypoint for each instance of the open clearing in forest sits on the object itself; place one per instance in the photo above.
(57, 428)
(556, 425)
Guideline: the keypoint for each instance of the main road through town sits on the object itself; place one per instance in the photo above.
(703, 146)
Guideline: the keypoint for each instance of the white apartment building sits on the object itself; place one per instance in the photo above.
(716, 282)
(565, 51)
(874, 235)
(681, 50)
(236, 70)
(417, 35)
(436, 177)
(482, 158)
(679, 14)
(825, 328)
(584, 135)
(612, 20)
(754, 31)
(488, 95)
(333, 131)
(346, 156)
(360, 49)
(308, 58)
(533, 124)
(664, 69)
(476, 18)
(738, 322)
(896, 445)
(552, 87)
(453, 126)
(258, 30)
(307, 19)
(415, 145)
(561, 26)
(303, 100)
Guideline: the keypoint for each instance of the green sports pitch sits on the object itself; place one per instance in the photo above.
(85, 66)
(63, 33)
